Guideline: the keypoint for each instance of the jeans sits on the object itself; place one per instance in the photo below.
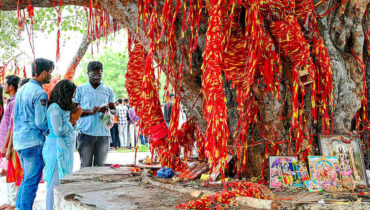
(115, 137)
(92, 149)
(123, 137)
(50, 190)
(143, 139)
(32, 165)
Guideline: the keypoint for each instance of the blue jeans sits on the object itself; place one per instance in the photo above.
(114, 135)
(143, 139)
(32, 165)
(50, 190)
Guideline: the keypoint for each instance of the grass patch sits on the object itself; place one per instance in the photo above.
(141, 148)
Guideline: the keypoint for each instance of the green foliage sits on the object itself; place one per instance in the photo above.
(9, 38)
(73, 19)
(115, 68)
(45, 21)
(142, 148)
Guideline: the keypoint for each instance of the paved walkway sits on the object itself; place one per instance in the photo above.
(113, 158)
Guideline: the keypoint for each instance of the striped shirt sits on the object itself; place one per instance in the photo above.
(87, 97)
(122, 112)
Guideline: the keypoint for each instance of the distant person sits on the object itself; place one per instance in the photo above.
(95, 99)
(122, 112)
(134, 120)
(59, 144)
(6, 134)
(30, 129)
(1, 103)
(114, 132)
(168, 109)
(3, 162)
(126, 102)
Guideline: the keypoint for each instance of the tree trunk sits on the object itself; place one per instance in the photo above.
(77, 58)
(340, 32)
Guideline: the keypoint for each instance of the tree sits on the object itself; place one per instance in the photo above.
(343, 29)
(9, 35)
(73, 19)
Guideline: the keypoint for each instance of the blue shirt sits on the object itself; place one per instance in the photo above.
(87, 98)
(30, 125)
(59, 145)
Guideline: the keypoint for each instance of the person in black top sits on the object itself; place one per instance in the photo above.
(168, 108)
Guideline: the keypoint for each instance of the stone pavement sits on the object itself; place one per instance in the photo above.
(113, 158)
(114, 189)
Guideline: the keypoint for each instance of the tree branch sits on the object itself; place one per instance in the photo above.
(7, 5)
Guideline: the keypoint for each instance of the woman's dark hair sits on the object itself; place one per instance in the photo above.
(62, 94)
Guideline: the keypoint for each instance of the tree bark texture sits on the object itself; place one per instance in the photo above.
(341, 32)
(84, 45)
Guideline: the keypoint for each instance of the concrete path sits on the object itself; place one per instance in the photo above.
(113, 158)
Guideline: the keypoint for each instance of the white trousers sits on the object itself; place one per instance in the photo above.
(123, 138)
(12, 193)
(133, 134)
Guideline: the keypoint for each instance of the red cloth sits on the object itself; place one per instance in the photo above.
(15, 172)
(158, 133)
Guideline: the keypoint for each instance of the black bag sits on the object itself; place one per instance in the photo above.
(128, 115)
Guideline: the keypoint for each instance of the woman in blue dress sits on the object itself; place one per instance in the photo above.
(59, 144)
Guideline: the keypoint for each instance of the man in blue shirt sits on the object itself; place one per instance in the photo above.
(30, 129)
(95, 99)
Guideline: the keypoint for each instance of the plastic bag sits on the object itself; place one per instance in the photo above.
(108, 120)
(165, 173)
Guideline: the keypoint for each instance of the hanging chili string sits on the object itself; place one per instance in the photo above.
(24, 73)
(59, 12)
(2, 73)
